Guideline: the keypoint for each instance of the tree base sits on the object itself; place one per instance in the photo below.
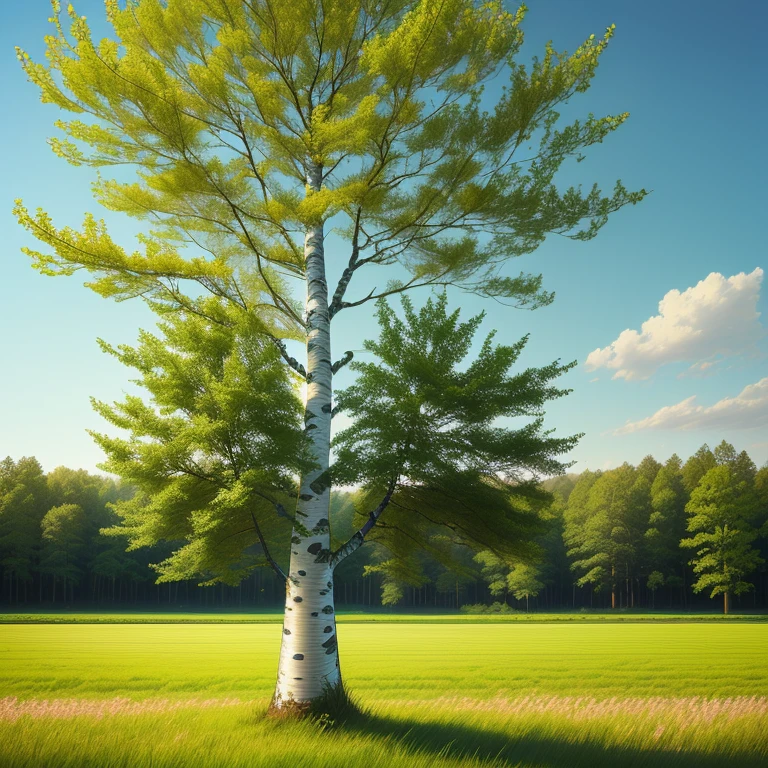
(334, 706)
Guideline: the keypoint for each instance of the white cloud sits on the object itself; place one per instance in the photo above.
(748, 410)
(592, 381)
(717, 317)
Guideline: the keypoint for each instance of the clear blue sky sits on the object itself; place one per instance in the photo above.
(693, 76)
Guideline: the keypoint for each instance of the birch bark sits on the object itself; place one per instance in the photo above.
(309, 659)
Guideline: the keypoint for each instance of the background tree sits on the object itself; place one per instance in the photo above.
(63, 530)
(719, 513)
(606, 545)
(655, 580)
(667, 526)
(494, 571)
(23, 501)
(554, 567)
(697, 466)
(254, 124)
(523, 581)
(575, 518)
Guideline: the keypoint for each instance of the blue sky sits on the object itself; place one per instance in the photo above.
(693, 76)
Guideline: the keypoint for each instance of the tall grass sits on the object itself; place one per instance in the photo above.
(410, 736)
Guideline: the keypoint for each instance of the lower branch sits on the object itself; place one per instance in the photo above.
(275, 567)
(357, 539)
(292, 361)
(341, 363)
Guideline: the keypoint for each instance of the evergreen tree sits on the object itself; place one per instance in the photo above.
(725, 454)
(718, 516)
(63, 531)
(667, 524)
(606, 536)
(23, 502)
(575, 518)
(255, 124)
(697, 466)
(649, 468)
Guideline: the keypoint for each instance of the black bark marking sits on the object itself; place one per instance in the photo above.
(314, 613)
(298, 678)
(326, 408)
(310, 427)
(306, 497)
(313, 549)
(330, 645)
(330, 585)
(295, 539)
(286, 631)
(298, 656)
(328, 629)
(328, 609)
(302, 573)
(323, 592)
(318, 486)
(298, 599)
(322, 523)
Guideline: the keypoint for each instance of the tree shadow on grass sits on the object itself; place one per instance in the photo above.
(452, 740)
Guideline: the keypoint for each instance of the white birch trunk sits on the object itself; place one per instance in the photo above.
(309, 659)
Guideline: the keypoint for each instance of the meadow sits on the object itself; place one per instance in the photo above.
(508, 693)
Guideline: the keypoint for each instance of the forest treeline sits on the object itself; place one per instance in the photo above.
(665, 536)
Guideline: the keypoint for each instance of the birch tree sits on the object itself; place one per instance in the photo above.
(255, 128)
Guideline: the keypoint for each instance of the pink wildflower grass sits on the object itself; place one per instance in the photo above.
(682, 711)
(12, 709)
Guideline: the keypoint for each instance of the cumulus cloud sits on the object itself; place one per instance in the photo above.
(716, 317)
(748, 410)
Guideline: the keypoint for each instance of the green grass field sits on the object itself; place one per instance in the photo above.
(511, 694)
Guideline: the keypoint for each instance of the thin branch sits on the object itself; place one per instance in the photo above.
(357, 539)
(339, 364)
(347, 274)
(275, 567)
(292, 361)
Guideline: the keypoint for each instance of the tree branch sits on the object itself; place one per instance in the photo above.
(357, 539)
(339, 364)
(346, 276)
(275, 567)
(292, 361)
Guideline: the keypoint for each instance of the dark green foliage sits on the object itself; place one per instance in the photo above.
(667, 521)
(719, 515)
(63, 540)
(428, 431)
(605, 523)
(23, 503)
